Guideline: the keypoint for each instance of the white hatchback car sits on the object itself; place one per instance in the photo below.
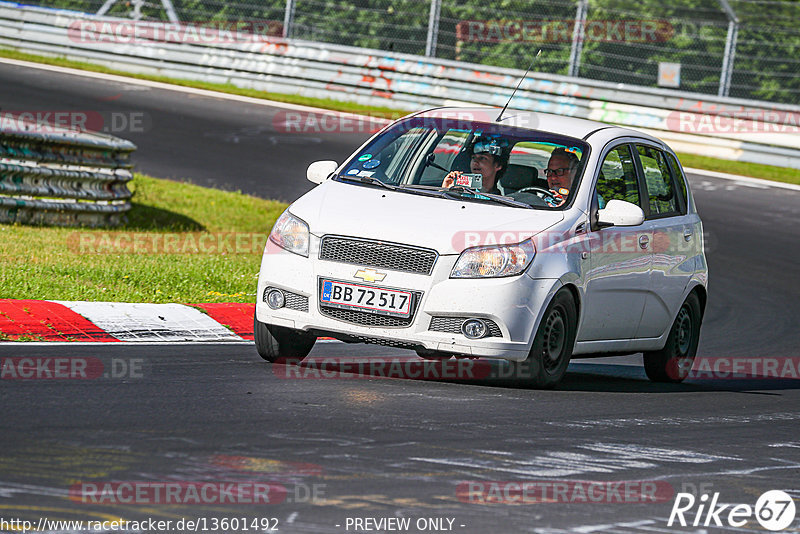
(567, 238)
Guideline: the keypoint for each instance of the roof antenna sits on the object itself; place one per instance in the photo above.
(539, 53)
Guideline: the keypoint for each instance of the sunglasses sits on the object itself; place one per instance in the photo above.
(557, 172)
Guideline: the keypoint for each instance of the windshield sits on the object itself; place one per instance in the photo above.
(474, 160)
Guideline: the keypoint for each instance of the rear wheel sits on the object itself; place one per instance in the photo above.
(277, 342)
(552, 347)
(674, 362)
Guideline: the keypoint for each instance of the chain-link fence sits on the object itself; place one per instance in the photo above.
(738, 48)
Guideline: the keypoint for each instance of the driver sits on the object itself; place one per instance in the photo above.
(560, 172)
(487, 159)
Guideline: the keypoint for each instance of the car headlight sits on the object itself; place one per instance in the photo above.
(290, 233)
(494, 261)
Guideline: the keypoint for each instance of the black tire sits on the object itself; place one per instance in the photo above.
(552, 347)
(674, 362)
(275, 343)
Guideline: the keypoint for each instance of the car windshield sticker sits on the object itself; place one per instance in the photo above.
(365, 157)
(353, 171)
(371, 164)
(366, 174)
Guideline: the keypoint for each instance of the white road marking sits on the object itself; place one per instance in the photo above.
(611, 458)
(678, 421)
(656, 453)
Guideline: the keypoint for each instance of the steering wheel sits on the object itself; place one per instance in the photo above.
(539, 191)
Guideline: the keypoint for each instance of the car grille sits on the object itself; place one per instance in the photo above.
(293, 300)
(452, 325)
(377, 254)
(385, 342)
(366, 318)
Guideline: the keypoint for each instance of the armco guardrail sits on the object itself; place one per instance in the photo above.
(734, 129)
(63, 178)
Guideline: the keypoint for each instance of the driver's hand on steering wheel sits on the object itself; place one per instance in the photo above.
(450, 179)
(559, 197)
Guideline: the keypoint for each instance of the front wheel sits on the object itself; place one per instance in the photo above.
(277, 342)
(674, 362)
(552, 347)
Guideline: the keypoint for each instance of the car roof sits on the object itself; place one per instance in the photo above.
(569, 126)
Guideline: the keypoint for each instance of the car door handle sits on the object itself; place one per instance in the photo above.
(687, 234)
(644, 241)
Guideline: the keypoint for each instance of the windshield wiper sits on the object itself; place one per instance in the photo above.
(424, 190)
(367, 180)
(461, 190)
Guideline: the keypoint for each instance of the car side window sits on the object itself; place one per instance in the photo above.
(617, 180)
(680, 179)
(663, 199)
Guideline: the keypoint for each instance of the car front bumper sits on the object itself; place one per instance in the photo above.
(514, 304)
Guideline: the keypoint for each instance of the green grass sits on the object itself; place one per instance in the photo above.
(754, 170)
(197, 257)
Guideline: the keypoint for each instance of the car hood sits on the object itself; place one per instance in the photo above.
(447, 226)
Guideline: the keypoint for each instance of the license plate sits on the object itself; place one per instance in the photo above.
(366, 298)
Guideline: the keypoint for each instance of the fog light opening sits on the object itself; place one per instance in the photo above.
(275, 299)
(474, 328)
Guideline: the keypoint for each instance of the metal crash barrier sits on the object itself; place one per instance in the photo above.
(727, 128)
(63, 178)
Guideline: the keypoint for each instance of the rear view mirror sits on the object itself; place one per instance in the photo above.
(319, 171)
(620, 213)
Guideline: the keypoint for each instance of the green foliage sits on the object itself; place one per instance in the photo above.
(766, 63)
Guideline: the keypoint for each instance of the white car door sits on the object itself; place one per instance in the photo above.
(674, 239)
(618, 277)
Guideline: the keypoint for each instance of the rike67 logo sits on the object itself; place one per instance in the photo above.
(774, 510)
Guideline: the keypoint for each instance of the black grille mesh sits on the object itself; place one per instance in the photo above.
(377, 254)
(385, 342)
(293, 300)
(452, 325)
(366, 318)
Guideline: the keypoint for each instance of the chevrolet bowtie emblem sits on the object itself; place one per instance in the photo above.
(370, 275)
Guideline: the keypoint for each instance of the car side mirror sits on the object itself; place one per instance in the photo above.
(319, 171)
(620, 213)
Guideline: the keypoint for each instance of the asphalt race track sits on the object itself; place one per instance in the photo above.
(338, 448)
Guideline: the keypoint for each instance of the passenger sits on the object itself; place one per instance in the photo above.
(560, 173)
(487, 159)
